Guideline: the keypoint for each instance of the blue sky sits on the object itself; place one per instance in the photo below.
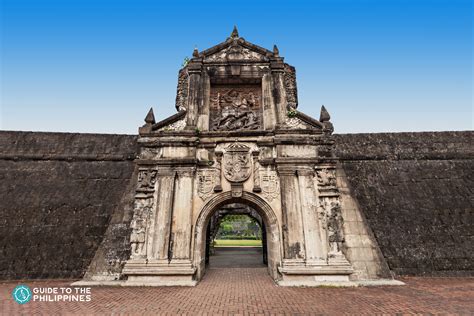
(98, 66)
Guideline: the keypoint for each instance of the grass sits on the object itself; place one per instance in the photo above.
(236, 243)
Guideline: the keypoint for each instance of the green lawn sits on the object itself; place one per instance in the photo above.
(231, 242)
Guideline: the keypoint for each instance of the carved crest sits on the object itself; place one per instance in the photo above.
(206, 179)
(237, 163)
(269, 182)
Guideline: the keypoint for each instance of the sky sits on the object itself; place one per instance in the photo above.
(98, 66)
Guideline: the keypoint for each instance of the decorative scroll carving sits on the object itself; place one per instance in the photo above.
(235, 108)
(295, 123)
(256, 172)
(237, 163)
(270, 186)
(182, 90)
(176, 126)
(290, 87)
(206, 182)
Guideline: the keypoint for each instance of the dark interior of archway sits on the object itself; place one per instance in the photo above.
(243, 245)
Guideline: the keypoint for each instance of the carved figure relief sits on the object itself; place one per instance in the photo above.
(237, 163)
(182, 90)
(290, 87)
(270, 186)
(235, 108)
(206, 182)
(140, 218)
(334, 228)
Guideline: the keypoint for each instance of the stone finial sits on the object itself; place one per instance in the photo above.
(195, 52)
(276, 51)
(150, 117)
(324, 116)
(235, 32)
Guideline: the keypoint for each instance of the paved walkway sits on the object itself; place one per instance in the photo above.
(251, 291)
(237, 257)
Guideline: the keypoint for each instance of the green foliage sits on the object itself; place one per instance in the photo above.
(292, 113)
(185, 62)
(239, 227)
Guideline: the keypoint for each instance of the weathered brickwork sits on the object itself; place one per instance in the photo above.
(62, 194)
(57, 194)
(416, 191)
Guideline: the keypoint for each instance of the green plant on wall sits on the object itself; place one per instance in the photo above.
(291, 113)
(185, 61)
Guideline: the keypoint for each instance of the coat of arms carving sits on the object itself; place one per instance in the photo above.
(206, 179)
(237, 166)
(269, 183)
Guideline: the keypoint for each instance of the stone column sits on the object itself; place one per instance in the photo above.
(279, 91)
(313, 242)
(159, 243)
(195, 93)
(293, 236)
(269, 110)
(182, 214)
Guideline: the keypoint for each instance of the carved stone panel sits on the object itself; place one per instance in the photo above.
(235, 107)
(237, 165)
(269, 183)
(206, 183)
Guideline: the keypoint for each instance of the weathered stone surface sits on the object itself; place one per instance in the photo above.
(58, 192)
(416, 191)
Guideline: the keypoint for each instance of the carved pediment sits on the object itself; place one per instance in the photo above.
(235, 52)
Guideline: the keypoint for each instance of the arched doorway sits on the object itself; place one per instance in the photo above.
(236, 238)
(269, 221)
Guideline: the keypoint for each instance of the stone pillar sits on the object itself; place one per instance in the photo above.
(195, 92)
(279, 91)
(269, 110)
(159, 244)
(293, 236)
(182, 215)
(312, 235)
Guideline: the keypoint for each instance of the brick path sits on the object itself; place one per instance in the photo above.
(251, 291)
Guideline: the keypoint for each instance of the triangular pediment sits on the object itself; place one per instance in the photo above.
(236, 49)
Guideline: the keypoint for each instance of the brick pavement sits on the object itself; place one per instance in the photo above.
(251, 291)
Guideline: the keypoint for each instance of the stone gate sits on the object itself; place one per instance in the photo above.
(238, 138)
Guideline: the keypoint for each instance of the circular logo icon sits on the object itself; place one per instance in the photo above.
(22, 294)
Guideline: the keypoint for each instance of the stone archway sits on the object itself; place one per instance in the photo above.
(258, 204)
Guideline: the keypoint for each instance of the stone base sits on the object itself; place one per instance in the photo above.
(159, 273)
(316, 273)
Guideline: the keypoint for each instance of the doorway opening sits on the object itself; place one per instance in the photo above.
(236, 238)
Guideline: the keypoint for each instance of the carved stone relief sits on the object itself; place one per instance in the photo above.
(270, 185)
(295, 123)
(206, 182)
(176, 126)
(235, 52)
(143, 206)
(290, 87)
(237, 165)
(235, 108)
(326, 179)
(182, 90)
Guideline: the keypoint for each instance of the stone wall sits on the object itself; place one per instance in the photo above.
(416, 192)
(62, 195)
(57, 194)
